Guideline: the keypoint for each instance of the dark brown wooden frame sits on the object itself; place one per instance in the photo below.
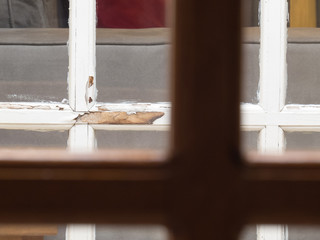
(203, 190)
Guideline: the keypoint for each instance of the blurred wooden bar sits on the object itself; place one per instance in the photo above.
(21, 238)
(26, 231)
(303, 13)
(10, 238)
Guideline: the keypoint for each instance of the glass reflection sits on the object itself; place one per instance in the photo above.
(133, 44)
(33, 50)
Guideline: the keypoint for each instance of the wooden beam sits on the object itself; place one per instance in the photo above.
(83, 202)
(10, 238)
(27, 230)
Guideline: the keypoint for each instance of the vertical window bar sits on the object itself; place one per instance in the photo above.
(273, 82)
(81, 138)
(82, 62)
(270, 232)
(82, 87)
(80, 232)
(273, 66)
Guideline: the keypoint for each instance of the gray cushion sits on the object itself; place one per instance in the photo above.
(303, 65)
(132, 65)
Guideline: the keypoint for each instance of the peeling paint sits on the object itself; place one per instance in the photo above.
(24, 106)
(90, 81)
(101, 108)
(119, 117)
(136, 107)
(302, 108)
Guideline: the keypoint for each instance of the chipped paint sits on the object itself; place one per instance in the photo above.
(102, 108)
(119, 117)
(18, 106)
(302, 108)
(135, 107)
(132, 107)
(58, 113)
(90, 81)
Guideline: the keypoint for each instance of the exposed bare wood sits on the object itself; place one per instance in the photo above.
(120, 117)
(102, 108)
(91, 78)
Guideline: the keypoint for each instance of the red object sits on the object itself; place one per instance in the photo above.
(131, 13)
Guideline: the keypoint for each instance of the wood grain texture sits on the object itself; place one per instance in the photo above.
(120, 117)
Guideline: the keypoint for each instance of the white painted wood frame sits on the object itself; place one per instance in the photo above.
(82, 51)
(80, 232)
(81, 139)
(267, 116)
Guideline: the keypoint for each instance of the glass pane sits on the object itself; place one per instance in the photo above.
(28, 138)
(302, 140)
(133, 50)
(152, 140)
(250, 13)
(61, 234)
(249, 141)
(250, 51)
(248, 233)
(303, 52)
(33, 50)
(303, 232)
(303, 70)
(289, 232)
(140, 232)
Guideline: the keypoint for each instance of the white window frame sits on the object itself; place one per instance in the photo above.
(82, 95)
(271, 116)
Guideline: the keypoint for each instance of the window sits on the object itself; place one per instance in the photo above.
(204, 192)
(64, 113)
(279, 105)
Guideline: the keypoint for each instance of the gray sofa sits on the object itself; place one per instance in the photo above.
(303, 60)
(132, 65)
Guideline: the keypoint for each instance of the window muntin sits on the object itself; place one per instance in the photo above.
(73, 108)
